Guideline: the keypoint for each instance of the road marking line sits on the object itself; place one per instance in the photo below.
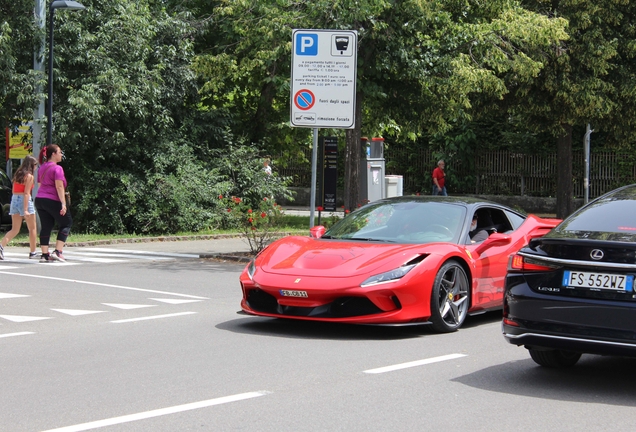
(21, 318)
(76, 312)
(15, 334)
(159, 412)
(88, 255)
(9, 295)
(414, 363)
(127, 306)
(152, 317)
(138, 252)
(174, 301)
(77, 259)
(103, 284)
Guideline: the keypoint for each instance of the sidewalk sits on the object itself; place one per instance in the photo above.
(225, 247)
(206, 246)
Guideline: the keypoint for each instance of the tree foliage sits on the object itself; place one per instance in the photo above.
(124, 93)
(420, 64)
(157, 101)
(17, 45)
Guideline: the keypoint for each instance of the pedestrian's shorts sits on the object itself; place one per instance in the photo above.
(17, 205)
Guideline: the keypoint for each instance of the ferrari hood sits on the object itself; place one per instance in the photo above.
(331, 258)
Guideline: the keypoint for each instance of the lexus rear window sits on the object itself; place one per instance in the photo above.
(609, 215)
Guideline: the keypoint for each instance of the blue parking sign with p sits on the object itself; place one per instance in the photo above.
(307, 44)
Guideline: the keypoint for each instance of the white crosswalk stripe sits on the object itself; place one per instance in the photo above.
(93, 255)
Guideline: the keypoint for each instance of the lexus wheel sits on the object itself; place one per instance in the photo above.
(554, 358)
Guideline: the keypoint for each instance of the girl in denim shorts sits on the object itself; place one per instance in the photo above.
(22, 205)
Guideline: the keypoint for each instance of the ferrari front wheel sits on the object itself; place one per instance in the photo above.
(450, 298)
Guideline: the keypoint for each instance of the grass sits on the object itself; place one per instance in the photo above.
(294, 224)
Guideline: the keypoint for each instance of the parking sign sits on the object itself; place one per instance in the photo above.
(323, 90)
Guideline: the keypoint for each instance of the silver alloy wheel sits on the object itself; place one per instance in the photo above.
(450, 298)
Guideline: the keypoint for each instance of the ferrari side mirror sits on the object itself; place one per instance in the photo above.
(317, 231)
(496, 239)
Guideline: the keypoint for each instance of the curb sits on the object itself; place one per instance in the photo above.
(156, 239)
(226, 257)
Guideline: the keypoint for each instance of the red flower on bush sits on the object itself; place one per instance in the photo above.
(250, 211)
(236, 199)
(347, 212)
(263, 214)
(220, 196)
(265, 199)
(250, 220)
(229, 210)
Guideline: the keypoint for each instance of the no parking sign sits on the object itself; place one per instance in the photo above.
(323, 89)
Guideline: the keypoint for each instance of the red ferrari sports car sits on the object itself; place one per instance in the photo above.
(400, 260)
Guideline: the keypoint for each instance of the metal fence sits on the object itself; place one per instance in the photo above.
(493, 173)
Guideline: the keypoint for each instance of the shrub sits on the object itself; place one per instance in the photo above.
(257, 224)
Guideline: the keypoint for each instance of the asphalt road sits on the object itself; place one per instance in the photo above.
(149, 339)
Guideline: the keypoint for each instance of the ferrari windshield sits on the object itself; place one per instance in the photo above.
(402, 222)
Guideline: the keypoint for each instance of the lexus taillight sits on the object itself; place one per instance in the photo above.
(521, 263)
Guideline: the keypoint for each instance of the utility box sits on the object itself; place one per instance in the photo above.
(372, 170)
(394, 185)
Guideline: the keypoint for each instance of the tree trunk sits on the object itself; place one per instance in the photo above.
(260, 118)
(565, 190)
(352, 160)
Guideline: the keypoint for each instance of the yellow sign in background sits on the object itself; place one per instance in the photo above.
(20, 140)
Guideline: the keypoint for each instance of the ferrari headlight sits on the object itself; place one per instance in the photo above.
(251, 269)
(389, 276)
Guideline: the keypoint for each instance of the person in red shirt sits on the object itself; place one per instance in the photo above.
(439, 180)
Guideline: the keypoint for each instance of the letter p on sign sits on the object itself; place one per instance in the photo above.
(306, 44)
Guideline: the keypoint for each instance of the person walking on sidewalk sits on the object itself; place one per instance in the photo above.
(439, 179)
(22, 205)
(50, 203)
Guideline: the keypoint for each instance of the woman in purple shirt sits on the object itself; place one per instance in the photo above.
(51, 203)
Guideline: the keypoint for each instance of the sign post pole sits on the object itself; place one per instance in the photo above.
(323, 86)
(314, 159)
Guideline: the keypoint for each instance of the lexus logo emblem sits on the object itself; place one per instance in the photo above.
(597, 254)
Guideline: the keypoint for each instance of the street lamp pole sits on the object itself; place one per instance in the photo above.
(63, 5)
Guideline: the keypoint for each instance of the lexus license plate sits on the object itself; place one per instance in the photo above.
(293, 293)
(598, 280)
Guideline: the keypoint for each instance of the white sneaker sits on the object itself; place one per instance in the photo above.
(56, 255)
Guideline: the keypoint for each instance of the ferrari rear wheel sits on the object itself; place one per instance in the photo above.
(450, 298)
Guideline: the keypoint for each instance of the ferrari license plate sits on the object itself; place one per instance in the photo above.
(293, 293)
(598, 280)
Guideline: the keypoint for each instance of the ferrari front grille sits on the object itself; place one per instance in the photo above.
(342, 307)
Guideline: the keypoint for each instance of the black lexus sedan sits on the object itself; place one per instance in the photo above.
(572, 291)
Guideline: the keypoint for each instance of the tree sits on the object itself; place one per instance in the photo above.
(125, 96)
(17, 44)
(420, 64)
(585, 80)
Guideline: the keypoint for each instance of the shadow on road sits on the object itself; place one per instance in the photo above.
(332, 331)
(318, 330)
(482, 319)
(595, 379)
